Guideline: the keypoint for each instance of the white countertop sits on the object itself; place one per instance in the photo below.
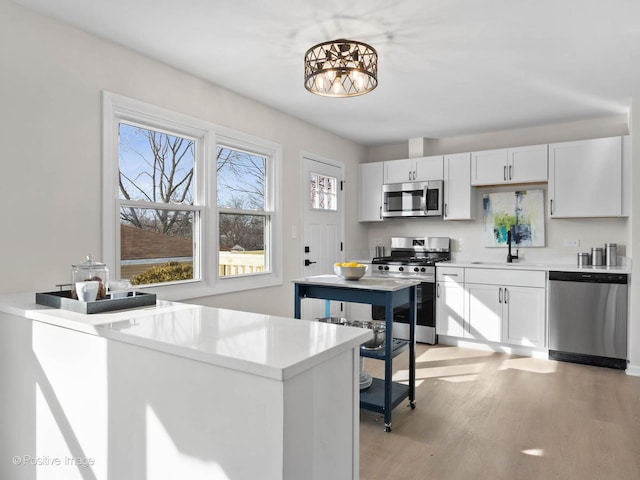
(264, 345)
(365, 283)
(562, 267)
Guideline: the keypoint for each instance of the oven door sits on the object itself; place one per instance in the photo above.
(425, 315)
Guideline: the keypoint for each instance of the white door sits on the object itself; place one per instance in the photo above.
(323, 219)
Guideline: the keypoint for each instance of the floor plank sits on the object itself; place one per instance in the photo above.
(486, 415)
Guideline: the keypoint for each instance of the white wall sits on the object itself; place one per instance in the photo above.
(50, 119)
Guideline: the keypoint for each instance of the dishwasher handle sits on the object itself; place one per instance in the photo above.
(589, 277)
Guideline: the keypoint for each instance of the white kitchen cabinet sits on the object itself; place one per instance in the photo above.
(450, 301)
(458, 194)
(510, 165)
(370, 194)
(585, 178)
(506, 306)
(523, 313)
(483, 313)
(413, 169)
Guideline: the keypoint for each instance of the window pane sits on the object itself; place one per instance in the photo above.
(241, 179)
(242, 241)
(156, 246)
(323, 192)
(155, 166)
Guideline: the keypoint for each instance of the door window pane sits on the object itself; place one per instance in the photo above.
(323, 192)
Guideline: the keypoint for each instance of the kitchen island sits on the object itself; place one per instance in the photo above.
(384, 394)
(176, 391)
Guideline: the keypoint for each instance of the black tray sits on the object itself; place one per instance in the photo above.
(62, 299)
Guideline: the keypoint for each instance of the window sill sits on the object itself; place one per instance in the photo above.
(198, 289)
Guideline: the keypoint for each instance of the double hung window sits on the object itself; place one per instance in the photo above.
(187, 204)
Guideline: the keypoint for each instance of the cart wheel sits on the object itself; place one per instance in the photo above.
(387, 428)
(412, 404)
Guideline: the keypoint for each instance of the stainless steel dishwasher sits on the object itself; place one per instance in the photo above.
(588, 318)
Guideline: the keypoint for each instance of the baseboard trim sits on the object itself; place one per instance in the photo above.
(633, 370)
(495, 347)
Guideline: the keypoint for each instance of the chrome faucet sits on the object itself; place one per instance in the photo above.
(510, 257)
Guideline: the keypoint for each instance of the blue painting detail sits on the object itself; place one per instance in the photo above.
(521, 212)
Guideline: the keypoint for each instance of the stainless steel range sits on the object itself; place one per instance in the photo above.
(415, 258)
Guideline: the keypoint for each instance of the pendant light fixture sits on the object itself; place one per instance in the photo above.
(341, 68)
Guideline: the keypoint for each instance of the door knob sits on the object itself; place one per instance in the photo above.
(308, 262)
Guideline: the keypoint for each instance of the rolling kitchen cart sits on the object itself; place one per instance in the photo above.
(384, 394)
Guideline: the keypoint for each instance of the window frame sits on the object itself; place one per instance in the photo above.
(268, 212)
(117, 108)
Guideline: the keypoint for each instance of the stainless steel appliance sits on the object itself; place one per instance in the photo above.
(415, 258)
(588, 318)
(415, 199)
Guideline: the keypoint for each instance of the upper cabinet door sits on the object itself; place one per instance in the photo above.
(509, 165)
(413, 169)
(585, 178)
(527, 164)
(428, 168)
(370, 198)
(489, 167)
(458, 194)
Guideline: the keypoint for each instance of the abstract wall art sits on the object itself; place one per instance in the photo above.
(522, 212)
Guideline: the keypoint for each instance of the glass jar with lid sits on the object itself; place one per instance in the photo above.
(90, 270)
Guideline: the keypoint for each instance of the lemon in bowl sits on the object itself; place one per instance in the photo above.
(350, 270)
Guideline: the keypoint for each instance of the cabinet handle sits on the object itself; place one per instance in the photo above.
(510, 176)
(410, 175)
(450, 274)
(506, 296)
(500, 295)
(414, 175)
(438, 291)
(504, 173)
(445, 209)
(551, 208)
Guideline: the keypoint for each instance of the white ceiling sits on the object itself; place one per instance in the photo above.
(446, 67)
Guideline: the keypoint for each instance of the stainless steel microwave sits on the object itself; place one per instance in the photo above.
(416, 199)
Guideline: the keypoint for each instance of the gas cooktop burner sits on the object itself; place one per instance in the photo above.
(421, 261)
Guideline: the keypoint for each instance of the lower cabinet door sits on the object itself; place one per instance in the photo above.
(523, 316)
(484, 312)
(450, 309)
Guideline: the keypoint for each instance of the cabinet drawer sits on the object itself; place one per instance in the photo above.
(450, 274)
(507, 276)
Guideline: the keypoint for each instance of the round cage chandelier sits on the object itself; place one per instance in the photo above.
(341, 68)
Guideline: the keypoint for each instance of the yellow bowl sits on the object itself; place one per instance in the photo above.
(350, 273)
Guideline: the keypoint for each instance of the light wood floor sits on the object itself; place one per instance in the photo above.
(484, 415)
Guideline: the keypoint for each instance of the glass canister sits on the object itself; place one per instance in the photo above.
(90, 270)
